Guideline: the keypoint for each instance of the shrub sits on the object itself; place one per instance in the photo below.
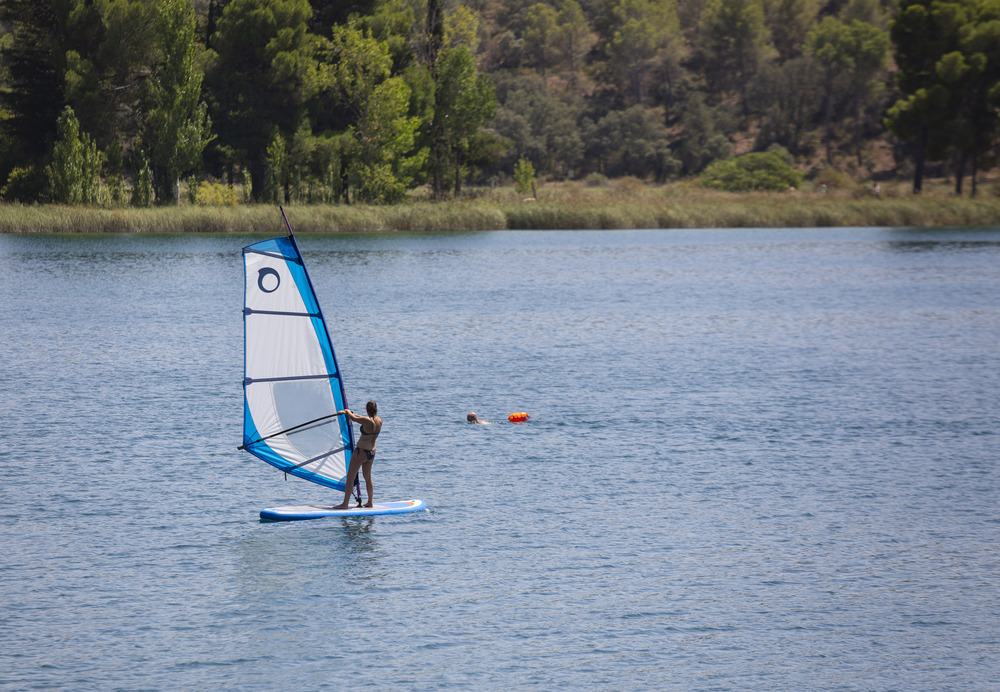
(524, 177)
(25, 185)
(833, 179)
(760, 171)
(216, 195)
(117, 192)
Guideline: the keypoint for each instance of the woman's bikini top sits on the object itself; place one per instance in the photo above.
(371, 435)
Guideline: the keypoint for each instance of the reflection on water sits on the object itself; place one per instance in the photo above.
(943, 246)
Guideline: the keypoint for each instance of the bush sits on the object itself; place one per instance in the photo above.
(215, 195)
(25, 185)
(833, 179)
(760, 171)
(117, 192)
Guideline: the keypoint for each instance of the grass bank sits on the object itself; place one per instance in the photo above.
(571, 207)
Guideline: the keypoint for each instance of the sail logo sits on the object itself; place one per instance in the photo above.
(268, 280)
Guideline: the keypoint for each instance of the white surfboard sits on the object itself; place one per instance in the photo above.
(300, 512)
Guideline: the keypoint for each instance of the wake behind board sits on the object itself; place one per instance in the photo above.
(302, 512)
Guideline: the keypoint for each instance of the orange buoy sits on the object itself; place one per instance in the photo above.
(518, 417)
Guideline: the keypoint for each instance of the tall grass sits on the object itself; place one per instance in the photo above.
(625, 204)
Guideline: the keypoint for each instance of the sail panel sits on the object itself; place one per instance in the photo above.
(287, 346)
(291, 375)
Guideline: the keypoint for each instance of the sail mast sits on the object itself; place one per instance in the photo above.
(322, 319)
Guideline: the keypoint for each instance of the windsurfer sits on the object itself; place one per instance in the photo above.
(364, 452)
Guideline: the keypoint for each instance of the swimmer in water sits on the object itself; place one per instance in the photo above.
(473, 418)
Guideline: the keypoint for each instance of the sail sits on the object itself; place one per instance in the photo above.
(292, 386)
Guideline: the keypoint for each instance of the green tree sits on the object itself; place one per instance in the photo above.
(633, 142)
(31, 94)
(539, 125)
(972, 77)
(177, 128)
(464, 102)
(277, 171)
(856, 54)
(646, 40)
(540, 35)
(388, 163)
(573, 38)
(434, 43)
(264, 75)
(75, 169)
(110, 50)
(391, 22)
(789, 22)
(734, 43)
(702, 141)
(924, 31)
(143, 191)
(378, 155)
(524, 177)
(787, 96)
(434, 34)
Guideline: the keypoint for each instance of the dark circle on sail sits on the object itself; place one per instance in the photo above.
(266, 283)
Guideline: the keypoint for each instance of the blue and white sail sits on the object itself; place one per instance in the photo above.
(292, 386)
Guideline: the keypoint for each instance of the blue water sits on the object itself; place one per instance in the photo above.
(757, 459)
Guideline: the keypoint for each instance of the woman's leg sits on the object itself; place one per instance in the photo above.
(366, 469)
(352, 471)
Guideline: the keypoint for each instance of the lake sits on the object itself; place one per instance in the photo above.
(756, 459)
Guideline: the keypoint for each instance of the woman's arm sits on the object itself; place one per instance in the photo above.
(355, 417)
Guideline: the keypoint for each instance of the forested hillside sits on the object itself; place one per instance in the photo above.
(119, 102)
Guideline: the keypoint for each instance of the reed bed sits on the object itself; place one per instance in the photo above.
(558, 207)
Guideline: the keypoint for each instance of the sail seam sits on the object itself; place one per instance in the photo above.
(292, 429)
(328, 376)
(275, 255)
(251, 311)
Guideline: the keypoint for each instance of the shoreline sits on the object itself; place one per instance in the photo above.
(567, 212)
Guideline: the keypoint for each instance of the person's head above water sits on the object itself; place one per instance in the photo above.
(472, 418)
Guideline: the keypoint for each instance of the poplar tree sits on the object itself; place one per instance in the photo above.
(75, 168)
(434, 44)
(177, 128)
(380, 161)
(465, 101)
